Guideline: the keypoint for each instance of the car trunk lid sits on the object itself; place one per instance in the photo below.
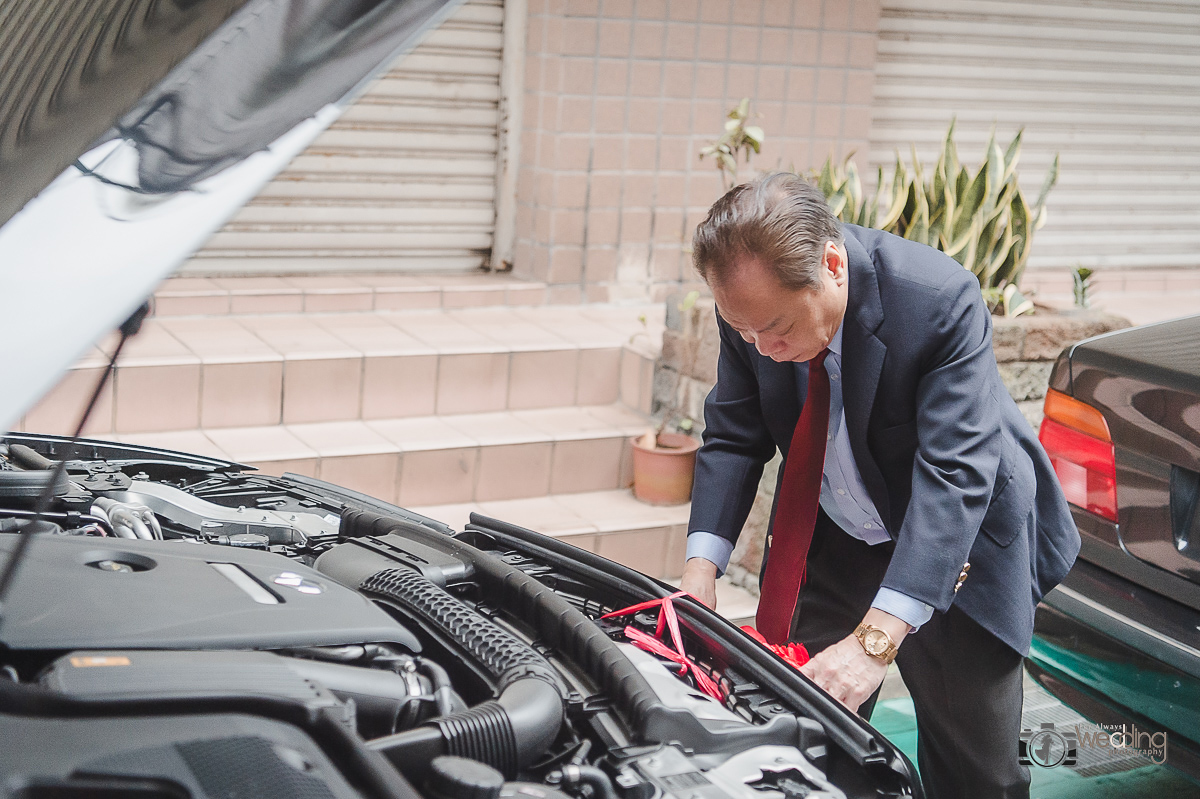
(1146, 383)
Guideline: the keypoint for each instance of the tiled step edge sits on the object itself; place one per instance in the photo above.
(190, 296)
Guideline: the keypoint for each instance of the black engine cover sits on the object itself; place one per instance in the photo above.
(88, 593)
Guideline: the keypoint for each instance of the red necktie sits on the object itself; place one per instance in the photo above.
(796, 513)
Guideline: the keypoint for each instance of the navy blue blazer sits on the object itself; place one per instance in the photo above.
(955, 471)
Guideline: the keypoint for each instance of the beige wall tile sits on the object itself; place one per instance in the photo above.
(612, 77)
(543, 379)
(587, 465)
(513, 471)
(254, 303)
(564, 295)
(191, 304)
(472, 383)
(152, 398)
(319, 390)
(615, 37)
(437, 477)
(599, 376)
(526, 295)
(407, 299)
(241, 394)
(318, 302)
(641, 154)
(373, 475)
(59, 410)
(644, 550)
(399, 386)
(468, 297)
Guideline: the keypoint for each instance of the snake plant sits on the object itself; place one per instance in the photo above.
(982, 220)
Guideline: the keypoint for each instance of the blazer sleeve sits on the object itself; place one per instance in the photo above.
(958, 452)
(736, 443)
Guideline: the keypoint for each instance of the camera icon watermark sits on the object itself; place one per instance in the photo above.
(1048, 747)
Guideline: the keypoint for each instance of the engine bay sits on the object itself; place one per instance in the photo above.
(183, 627)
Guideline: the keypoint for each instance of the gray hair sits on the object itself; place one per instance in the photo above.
(780, 218)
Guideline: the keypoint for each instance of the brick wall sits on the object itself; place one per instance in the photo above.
(621, 95)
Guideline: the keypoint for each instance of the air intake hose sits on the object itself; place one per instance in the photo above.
(509, 732)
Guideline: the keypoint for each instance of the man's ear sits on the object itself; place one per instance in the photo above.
(835, 262)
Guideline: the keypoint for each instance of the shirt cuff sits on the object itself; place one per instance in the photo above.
(902, 606)
(711, 547)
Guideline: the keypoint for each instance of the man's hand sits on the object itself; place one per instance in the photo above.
(700, 580)
(846, 671)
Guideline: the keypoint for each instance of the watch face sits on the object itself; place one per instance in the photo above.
(875, 642)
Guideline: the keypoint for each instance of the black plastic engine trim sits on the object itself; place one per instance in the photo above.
(366, 770)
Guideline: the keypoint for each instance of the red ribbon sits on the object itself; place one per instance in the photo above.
(795, 654)
(651, 643)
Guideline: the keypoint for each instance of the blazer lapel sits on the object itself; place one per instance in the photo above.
(863, 354)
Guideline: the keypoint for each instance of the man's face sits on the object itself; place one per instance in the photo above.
(785, 324)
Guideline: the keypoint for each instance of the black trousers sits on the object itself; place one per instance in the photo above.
(965, 683)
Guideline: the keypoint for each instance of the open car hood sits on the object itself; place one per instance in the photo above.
(132, 130)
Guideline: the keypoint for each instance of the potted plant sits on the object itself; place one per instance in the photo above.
(664, 457)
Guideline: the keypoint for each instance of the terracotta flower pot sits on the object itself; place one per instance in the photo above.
(663, 476)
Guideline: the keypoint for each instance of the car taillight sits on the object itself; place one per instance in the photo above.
(1080, 447)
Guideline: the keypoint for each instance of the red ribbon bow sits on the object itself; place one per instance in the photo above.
(651, 643)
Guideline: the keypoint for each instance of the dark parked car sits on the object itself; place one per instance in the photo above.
(176, 626)
(1119, 639)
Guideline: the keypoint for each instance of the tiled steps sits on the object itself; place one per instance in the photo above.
(610, 523)
(501, 409)
(203, 372)
(434, 460)
(446, 394)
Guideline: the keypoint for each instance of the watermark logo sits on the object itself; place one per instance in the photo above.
(1049, 746)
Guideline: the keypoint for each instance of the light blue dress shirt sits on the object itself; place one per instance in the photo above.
(843, 497)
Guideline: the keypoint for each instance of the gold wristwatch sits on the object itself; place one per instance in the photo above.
(876, 642)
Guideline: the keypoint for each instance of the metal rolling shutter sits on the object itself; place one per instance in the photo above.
(1112, 85)
(405, 180)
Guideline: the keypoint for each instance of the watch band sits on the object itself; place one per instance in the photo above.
(887, 654)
